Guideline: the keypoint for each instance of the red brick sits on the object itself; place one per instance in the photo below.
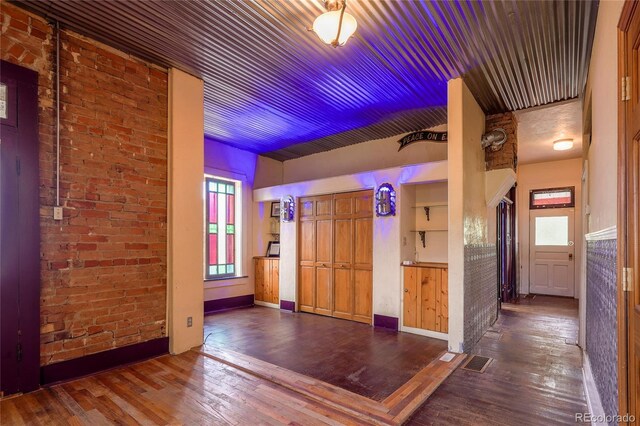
(110, 249)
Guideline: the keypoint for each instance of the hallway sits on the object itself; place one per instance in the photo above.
(535, 378)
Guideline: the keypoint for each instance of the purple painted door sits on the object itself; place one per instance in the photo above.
(19, 230)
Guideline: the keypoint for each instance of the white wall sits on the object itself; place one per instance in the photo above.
(372, 155)
(468, 222)
(387, 254)
(602, 87)
(437, 241)
(540, 176)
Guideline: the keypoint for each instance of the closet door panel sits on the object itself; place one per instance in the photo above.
(307, 242)
(323, 242)
(307, 288)
(363, 240)
(343, 242)
(323, 291)
(343, 293)
(362, 280)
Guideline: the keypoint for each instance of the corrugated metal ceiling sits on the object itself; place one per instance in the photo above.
(273, 88)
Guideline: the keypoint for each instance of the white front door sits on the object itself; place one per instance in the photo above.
(552, 257)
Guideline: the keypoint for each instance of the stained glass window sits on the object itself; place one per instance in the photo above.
(220, 228)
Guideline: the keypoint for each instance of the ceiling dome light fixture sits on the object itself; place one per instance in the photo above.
(563, 144)
(334, 27)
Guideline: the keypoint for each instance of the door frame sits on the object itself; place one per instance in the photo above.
(625, 245)
(549, 212)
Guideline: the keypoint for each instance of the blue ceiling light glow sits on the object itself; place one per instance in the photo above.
(336, 91)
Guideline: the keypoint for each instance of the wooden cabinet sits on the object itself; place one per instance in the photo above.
(426, 297)
(336, 255)
(267, 278)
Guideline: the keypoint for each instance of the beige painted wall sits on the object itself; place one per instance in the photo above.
(437, 241)
(539, 176)
(268, 172)
(231, 163)
(407, 213)
(387, 237)
(372, 155)
(602, 87)
(468, 221)
(185, 217)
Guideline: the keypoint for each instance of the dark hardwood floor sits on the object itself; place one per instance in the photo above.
(535, 378)
(356, 357)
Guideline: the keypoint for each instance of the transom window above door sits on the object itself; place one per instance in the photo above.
(552, 198)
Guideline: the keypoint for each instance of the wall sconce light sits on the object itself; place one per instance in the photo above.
(563, 144)
(334, 27)
(288, 208)
(385, 200)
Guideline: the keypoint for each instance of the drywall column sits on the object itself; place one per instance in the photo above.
(185, 218)
(466, 193)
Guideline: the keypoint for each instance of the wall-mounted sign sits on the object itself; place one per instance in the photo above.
(422, 136)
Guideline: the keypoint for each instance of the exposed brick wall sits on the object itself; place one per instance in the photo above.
(103, 267)
(507, 156)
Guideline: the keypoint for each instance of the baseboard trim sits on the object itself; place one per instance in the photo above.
(266, 304)
(287, 305)
(79, 367)
(213, 306)
(383, 321)
(426, 333)
(594, 403)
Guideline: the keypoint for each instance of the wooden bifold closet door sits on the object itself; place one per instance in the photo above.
(336, 255)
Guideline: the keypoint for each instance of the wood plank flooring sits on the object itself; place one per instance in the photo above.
(214, 386)
(356, 357)
(535, 378)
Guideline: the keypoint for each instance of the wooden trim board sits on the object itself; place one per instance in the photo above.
(394, 410)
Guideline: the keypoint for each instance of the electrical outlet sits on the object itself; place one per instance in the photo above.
(57, 213)
(189, 321)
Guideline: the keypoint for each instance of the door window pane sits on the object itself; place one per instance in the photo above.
(552, 231)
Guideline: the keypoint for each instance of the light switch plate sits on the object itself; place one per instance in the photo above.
(57, 213)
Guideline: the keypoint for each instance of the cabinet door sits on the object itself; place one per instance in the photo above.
(410, 315)
(275, 281)
(443, 303)
(259, 279)
(430, 278)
